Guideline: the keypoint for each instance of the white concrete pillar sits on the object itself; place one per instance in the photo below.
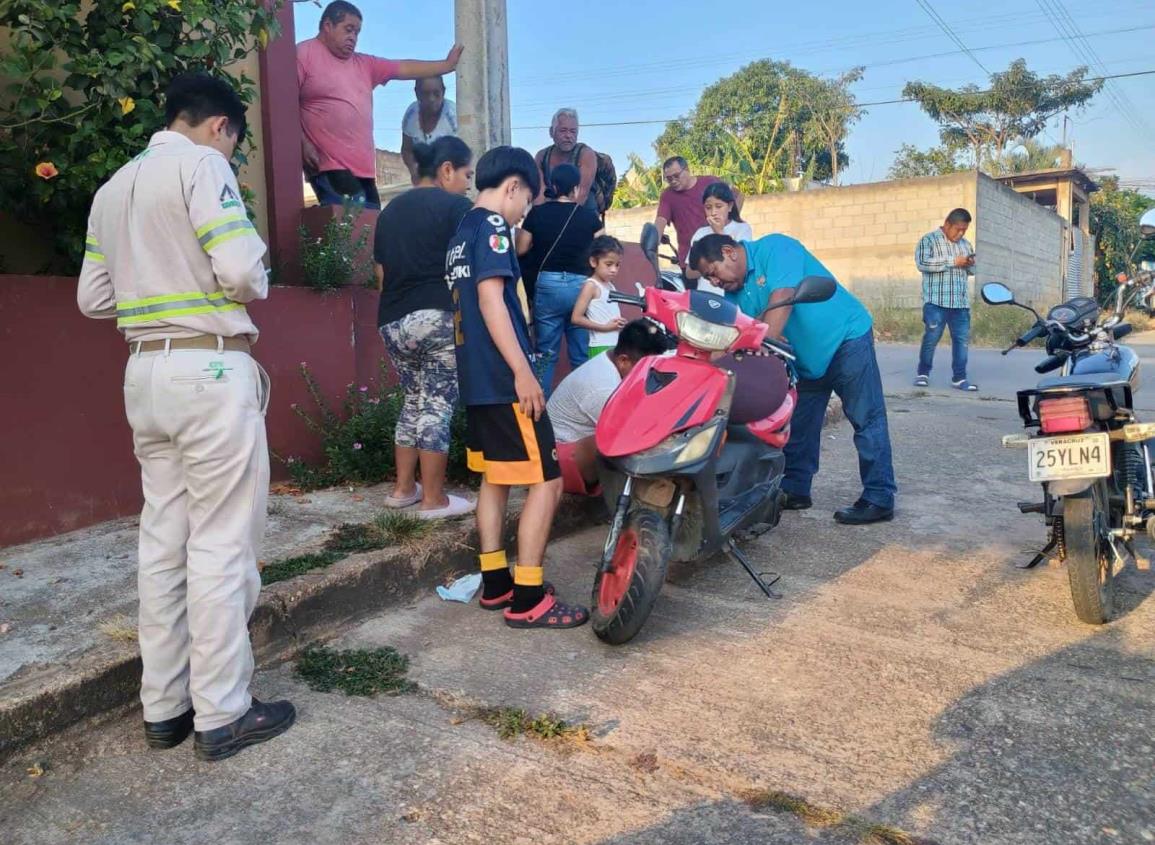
(483, 74)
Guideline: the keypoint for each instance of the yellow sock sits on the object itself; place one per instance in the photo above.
(492, 561)
(528, 576)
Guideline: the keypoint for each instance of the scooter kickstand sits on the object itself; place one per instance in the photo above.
(1043, 554)
(758, 577)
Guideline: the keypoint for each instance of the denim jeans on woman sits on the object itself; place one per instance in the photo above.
(553, 302)
(936, 320)
(854, 376)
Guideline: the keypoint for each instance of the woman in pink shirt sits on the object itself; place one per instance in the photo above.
(336, 84)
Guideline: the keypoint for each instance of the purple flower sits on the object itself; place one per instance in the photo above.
(357, 447)
(364, 389)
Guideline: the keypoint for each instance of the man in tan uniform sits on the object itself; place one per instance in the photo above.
(173, 257)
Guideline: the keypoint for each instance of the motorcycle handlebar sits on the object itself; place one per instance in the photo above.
(1034, 333)
(1121, 330)
(627, 299)
(1049, 364)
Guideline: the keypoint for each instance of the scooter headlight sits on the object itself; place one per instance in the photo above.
(677, 450)
(704, 334)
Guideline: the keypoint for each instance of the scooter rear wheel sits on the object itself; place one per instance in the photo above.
(624, 596)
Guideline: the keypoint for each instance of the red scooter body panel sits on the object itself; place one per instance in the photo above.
(775, 429)
(634, 420)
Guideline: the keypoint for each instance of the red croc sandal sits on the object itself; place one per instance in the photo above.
(549, 613)
(506, 599)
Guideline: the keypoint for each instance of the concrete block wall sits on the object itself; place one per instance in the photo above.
(1019, 243)
(866, 234)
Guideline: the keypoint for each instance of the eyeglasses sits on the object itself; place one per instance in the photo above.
(674, 177)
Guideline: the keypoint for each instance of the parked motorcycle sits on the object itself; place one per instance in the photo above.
(679, 478)
(1088, 448)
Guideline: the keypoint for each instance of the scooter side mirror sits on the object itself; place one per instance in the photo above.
(649, 243)
(814, 289)
(996, 293)
(1147, 224)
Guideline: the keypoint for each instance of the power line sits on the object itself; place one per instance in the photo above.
(635, 95)
(1066, 26)
(850, 41)
(950, 33)
(1132, 74)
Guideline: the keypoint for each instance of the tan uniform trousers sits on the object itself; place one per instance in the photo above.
(198, 423)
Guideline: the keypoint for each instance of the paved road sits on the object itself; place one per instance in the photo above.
(998, 376)
(910, 676)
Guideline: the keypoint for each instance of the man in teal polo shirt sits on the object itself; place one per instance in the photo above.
(834, 345)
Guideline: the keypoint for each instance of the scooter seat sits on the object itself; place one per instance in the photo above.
(760, 388)
(1082, 380)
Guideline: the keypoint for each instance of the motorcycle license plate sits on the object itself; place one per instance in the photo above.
(1072, 456)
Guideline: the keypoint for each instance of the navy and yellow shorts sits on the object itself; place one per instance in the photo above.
(509, 448)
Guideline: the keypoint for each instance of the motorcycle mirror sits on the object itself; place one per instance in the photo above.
(1147, 224)
(649, 242)
(814, 289)
(996, 293)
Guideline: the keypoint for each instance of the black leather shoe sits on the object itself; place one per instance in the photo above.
(170, 733)
(863, 512)
(790, 502)
(260, 724)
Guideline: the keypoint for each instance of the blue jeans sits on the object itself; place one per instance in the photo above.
(553, 302)
(327, 194)
(853, 375)
(937, 320)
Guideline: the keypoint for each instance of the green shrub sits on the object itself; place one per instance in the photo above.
(358, 442)
(340, 255)
(86, 93)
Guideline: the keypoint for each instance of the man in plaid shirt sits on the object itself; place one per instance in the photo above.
(946, 260)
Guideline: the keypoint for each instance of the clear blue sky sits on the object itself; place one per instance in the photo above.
(647, 60)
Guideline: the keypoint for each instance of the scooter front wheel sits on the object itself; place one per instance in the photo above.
(624, 596)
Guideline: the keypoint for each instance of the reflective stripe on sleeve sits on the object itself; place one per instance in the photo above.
(172, 305)
(223, 229)
(92, 249)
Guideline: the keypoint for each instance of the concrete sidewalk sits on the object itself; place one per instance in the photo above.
(68, 604)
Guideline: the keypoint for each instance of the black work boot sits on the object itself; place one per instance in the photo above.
(171, 732)
(790, 502)
(863, 512)
(260, 724)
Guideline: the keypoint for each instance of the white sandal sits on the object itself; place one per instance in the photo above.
(396, 503)
(457, 506)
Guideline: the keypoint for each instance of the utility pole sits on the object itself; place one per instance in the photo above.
(483, 74)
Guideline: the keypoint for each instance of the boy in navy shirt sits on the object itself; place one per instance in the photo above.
(509, 438)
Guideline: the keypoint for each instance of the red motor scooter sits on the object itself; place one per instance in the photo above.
(680, 477)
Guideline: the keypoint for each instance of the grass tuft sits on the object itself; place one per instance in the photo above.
(119, 629)
(389, 529)
(283, 570)
(511, 722)
(395, 528)
(364, 672)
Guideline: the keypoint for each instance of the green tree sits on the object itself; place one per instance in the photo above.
(1115, 216)
(641, 185)
(912, 163)
(760, 112)
(85, 93)
(1026, 157)
(1014, 107)
(831, 109)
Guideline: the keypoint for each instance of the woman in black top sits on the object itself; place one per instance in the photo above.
(416, 320)
(556, 237)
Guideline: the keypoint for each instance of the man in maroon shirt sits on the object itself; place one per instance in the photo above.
(681, 203)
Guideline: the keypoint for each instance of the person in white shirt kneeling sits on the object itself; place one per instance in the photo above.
(576, 405)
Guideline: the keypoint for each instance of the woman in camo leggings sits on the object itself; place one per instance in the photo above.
(416, 321)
